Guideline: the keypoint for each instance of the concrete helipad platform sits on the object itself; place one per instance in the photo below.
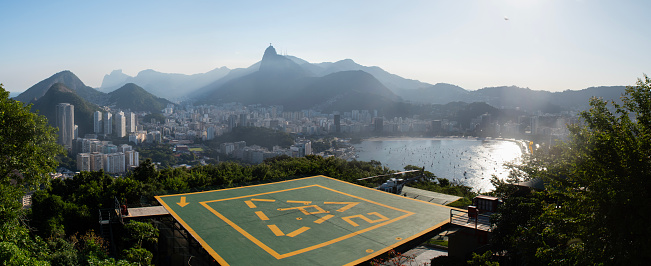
(309, 221)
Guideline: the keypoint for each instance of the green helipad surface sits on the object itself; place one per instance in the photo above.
(309, 221)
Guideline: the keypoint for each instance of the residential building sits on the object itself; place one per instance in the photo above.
(65, 121)
(108, 123)
(131, 124)
(120, 125)
(97, 122)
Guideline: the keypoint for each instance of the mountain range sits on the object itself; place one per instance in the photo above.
(60, 93)
(67, 88)
(70, 80)
(169, 86)
(297, 84)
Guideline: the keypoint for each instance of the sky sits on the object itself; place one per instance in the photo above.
(552, 45)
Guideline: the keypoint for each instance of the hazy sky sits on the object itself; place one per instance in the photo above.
(544, 45)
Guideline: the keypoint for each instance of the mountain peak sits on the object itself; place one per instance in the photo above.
(66, 77)
(60, 87)
(270, 51)
(273, 63)
(132, 96)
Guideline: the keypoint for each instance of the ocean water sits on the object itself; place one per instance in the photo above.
(471, 162)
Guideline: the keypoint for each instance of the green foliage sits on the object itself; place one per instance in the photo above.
(160, 118)
(131, 96)
(482, 260)
(593, 210)
(438, 242)
(66, 160)
(139, 256)
(62, 252)
(11, 254)
(444, 186)
(27, 144)
(158, 153)
(59, 93)
(110, 262)
(461, 203)
(140, 232)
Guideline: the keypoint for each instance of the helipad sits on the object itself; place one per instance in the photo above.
(309, 221)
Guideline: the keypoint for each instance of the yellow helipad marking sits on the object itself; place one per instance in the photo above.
(299, 201)
(275, 230)
(252, 206)
(369, 251)
(299, 218)
(262, 216)
(298, 231)
(348, 218)
(182, 203)
(324, 218)
(398, 238)
(180, 218)
(264, 200)
(302, 209)
(278, 232)
(343, 209)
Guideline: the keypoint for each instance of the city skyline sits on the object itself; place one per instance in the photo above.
(542, 45)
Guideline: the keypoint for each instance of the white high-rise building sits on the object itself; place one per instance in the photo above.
(131, 122)
(65, 121)
(83, 162)
(97, 161)
(108, 123)
(114, 163)
(120, 125)
(132, 159)
(97, 122)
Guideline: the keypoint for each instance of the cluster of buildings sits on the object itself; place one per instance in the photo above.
(91, 153)
(95, 155)
(184, 125)
(125, 123)
(208, 121)
(256, 154)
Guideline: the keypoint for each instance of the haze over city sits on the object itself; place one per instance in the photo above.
(542, 45)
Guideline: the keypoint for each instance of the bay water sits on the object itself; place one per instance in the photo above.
(468, 161)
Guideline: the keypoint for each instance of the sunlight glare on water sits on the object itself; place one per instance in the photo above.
(471, 162)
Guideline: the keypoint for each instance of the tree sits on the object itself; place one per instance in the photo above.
(28, 146)
(27, 154)
(598, 183)
(140, 232)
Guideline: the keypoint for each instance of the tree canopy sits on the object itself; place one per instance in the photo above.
(593, 208)
(27, 144)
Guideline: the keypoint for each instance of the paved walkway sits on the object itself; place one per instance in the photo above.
(424, 255)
